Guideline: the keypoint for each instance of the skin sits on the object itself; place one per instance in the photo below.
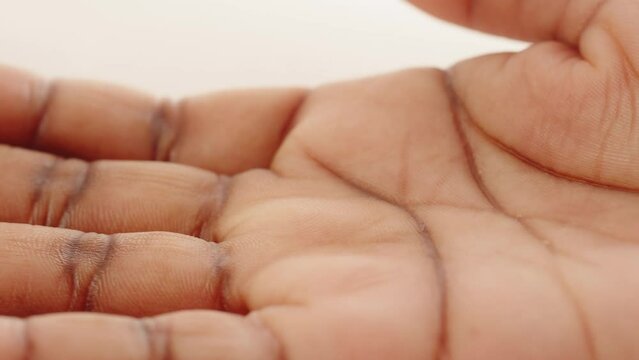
(484, 212)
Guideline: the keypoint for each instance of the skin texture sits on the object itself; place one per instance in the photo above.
(485, 212)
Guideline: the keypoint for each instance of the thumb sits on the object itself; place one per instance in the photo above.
(568, 103)
(531, 20)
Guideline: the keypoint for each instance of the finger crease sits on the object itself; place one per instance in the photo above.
(218, 280)
(210, 211)
(69, 255)
(93, 288)
(40, 202)
(80, 185)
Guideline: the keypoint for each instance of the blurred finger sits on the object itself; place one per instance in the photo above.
(194, 335)
(226, 132)
(532, 20)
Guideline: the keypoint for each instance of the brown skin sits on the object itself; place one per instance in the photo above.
(487, 212)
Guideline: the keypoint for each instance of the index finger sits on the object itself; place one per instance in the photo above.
(226, 132)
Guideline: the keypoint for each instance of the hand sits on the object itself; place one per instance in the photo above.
(487, 212)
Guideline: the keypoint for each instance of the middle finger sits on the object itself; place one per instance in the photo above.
(109, 196)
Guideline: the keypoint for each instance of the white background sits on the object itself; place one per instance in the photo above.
(178, 47)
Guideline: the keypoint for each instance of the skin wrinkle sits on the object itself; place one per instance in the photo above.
(220, 273)
(463, 140)
(69, 257)
(404, 191)
(83, 181)
(457, 109)
(228, 301)
(110, 243)
(441, 351)
(543, 168)
(41, 181)
(157, 338)
(211, 210)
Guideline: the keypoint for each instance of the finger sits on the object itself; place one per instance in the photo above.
(532, 20)
(569, 113)
(109, 196)
(226, 132)
(190, 335)
(46, 270)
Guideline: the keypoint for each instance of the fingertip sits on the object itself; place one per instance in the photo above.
(22, 96)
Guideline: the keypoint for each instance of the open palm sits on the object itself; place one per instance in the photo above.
(486, 212)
